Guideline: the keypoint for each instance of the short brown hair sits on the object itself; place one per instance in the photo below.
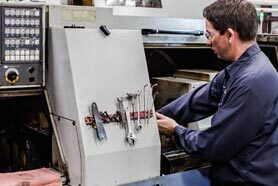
(239, 15)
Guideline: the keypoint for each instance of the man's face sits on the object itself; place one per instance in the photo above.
(219, 43)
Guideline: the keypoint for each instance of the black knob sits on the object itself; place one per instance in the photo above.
(104, 30)
(31, 79)
(31, 70)
(11, 76)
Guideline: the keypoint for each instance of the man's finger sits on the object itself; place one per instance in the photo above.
(160, 116)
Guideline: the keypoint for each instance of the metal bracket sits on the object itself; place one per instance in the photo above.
(61, 117)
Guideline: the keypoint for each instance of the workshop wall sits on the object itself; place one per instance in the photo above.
(172, 8)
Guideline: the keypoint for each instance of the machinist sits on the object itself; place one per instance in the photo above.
(242, 142)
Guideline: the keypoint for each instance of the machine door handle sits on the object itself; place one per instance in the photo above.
(156, 31)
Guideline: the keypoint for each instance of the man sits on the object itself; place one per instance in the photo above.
(242, 142)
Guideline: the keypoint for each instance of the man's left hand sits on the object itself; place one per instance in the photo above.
(165, 124)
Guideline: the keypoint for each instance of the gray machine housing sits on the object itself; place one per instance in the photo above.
(86, 67)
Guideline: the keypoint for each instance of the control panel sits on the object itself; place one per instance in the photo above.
(22, 46)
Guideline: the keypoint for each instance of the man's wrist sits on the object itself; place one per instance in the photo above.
(179, 129)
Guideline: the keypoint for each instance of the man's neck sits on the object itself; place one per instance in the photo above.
(241, 48)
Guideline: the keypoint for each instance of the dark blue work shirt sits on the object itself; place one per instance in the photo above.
(242, 142)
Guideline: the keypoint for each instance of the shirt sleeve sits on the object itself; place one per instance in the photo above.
(234, 125)
(195, 105)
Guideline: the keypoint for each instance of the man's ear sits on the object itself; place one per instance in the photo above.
(231, 35)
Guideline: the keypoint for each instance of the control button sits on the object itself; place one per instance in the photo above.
(27, 22)
(37, 42)
(32, 22)
(22, 52)
(32, 31)
(17, 12)
(27, 13)
(27, 31)
(37, 31)
(37, 22)
(37, 52)
(7, 52)
(7, 58)
(17, 22)
(12, 41)
(7, 12)
(17, 52)
(12, 22)
(7, 21)
(32, 13)
(12, 12)
(22, 31)
(17, 41)
(31, 70)
(22, 58)
(37, 13)
(22, 22)
(17, 31)
(22, 13)
(12, 75)
(12, 31)
(27, 52)
(7, 42)
(22, 41)
(31, 79)
(7, 31)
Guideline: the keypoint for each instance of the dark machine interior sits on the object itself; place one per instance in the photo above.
(271, 52)
(162, 62)
(25, 134)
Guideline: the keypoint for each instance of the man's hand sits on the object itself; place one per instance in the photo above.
(165, 124)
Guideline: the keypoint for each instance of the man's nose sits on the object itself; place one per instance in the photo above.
(209, 42)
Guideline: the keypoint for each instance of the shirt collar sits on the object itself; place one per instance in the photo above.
(231, 70)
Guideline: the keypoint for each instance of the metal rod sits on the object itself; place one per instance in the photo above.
(267, 10)
(55, 130)
(138, 111)
(179, 32)
(144, 100)
(154, 96)
(149, 97)
(265, 2)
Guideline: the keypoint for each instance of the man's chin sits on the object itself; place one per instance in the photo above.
(219, 57)
(217, 54)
